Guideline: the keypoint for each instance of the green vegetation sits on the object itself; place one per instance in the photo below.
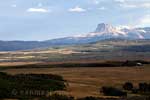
(142, 89)
(29, 85)
(128, 86)
(128, 63)
(111, 91)
(64, 97)
(58, 97)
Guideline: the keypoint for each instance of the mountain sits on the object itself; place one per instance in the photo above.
(106, 31)
(102, 32)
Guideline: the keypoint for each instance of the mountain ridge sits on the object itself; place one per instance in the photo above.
(102, 32)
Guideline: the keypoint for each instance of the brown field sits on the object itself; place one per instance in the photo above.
(7, 64)
(87, 81)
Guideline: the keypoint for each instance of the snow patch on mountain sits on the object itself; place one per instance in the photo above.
(106, 31)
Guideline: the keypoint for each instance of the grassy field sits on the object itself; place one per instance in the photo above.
(87, 81)
(84, 66)
(103, 50)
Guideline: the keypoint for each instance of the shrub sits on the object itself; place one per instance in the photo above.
(128, 86)
(89, 98)
(30, 83)
(149, 87)
(143, 87)
(135, 90)
(110, 91)
(60, 97)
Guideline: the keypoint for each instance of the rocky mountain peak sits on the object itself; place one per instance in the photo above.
(102, 27)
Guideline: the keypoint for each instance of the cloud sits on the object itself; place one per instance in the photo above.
(121, 1)
(128, 5)
(143, 5)
(136, 4)
(77, 9)
(146, 5)
(145, 21)
(40, 10)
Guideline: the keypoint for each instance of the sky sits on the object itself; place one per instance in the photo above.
(48, 19)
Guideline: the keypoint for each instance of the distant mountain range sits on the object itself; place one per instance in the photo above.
(106, 31)
(102, 32)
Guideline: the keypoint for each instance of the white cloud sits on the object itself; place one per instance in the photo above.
(128, 5)
(121, 1)
(145, 21)
(146, 5)
(77, 9)
(142, 5)
(40, 10)
(136, 4)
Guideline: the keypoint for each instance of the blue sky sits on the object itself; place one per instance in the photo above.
(48, 19)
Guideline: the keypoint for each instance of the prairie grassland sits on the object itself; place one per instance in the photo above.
(87, 81)
(7, 64)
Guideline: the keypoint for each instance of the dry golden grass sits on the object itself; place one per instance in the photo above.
(6, 64)
(87, 81)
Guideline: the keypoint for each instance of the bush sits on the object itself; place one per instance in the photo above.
(110, 91)
(143, 87)
(27, 85)
(60, 97)
(128, 86)
(135, 90)
(89, 98)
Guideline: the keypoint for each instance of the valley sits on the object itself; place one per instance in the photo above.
(75, 50)
(106, 50)
(90, 79)
(86, 67)
(104, 59)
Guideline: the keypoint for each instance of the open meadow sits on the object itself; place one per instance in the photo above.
(86, 81)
